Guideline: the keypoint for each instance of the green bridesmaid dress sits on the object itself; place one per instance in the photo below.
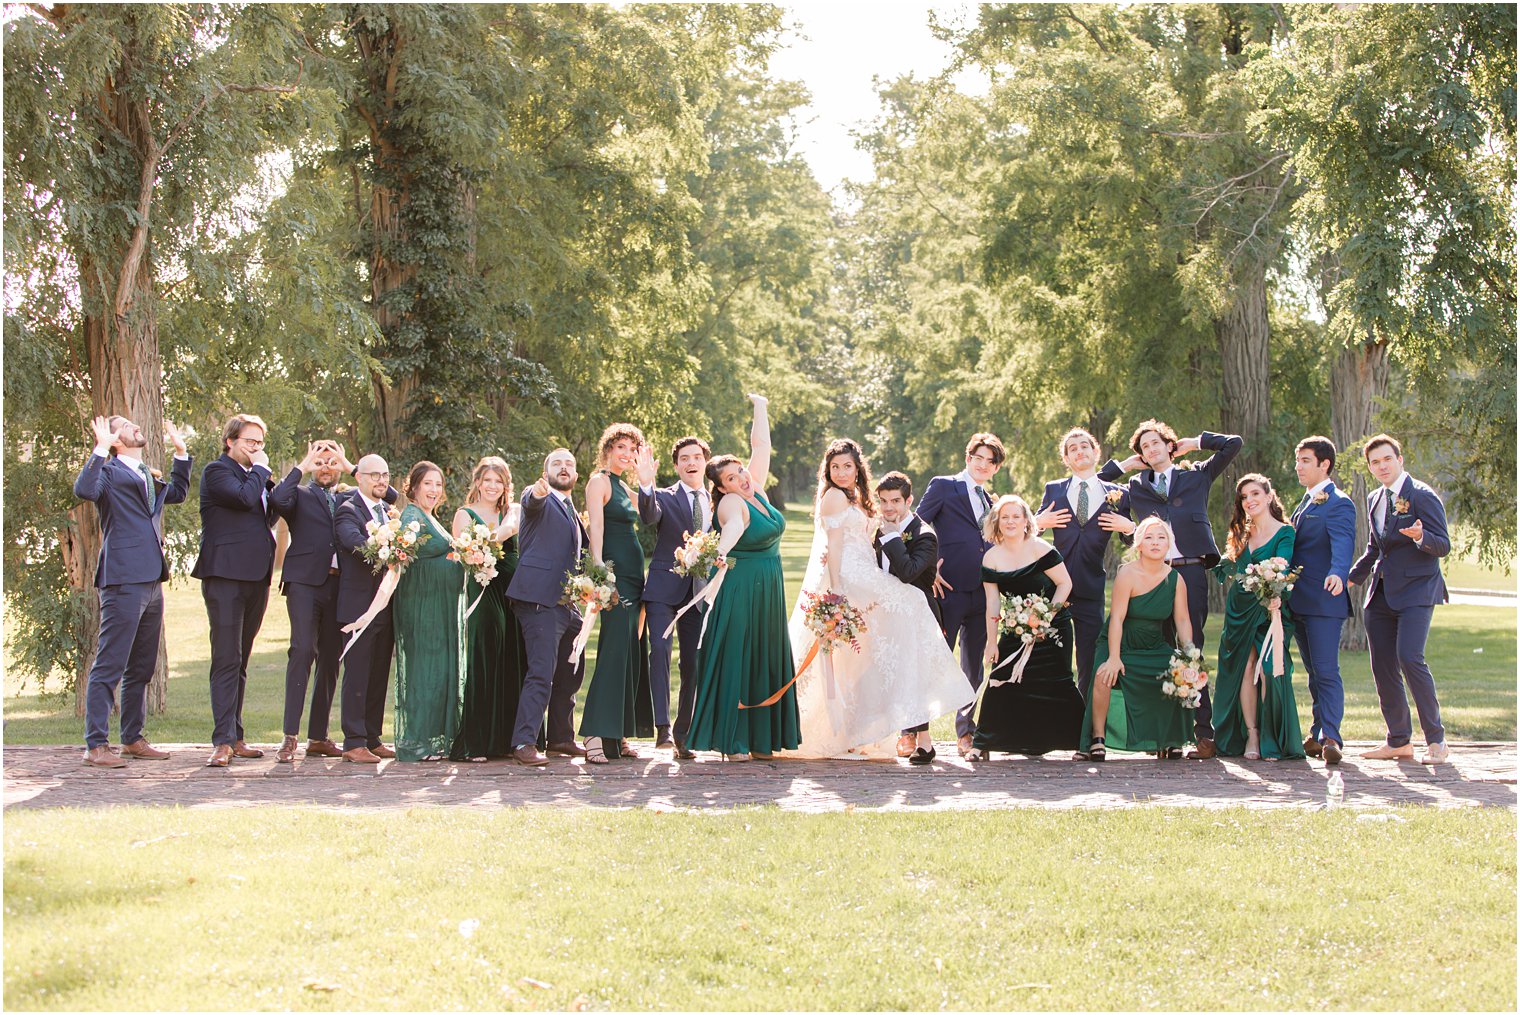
(498, 659)
(747, 652)
(428, 613)
(621, 649)
(1246, 623)
(1140, 716)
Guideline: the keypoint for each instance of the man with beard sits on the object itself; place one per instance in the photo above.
(130, 499)
(551, 539)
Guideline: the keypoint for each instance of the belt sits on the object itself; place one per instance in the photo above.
(332, 571)
(1184, 561)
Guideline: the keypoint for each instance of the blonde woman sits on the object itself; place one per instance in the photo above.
(1040, 710)
(1127, 709)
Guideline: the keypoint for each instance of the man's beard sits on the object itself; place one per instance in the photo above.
(317, 481)
(140, 441)
(555, 483)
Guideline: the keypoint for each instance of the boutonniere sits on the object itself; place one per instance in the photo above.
(342, 488)
(156, 474)
(1184, 466)
(393, 511)
(1114, 497)
(1401, 505)
(1320, 498)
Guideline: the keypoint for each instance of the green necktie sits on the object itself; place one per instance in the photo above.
(698, 521)
(1161, 485)
(986, 505)
(332, 504)
(1082, 505)
(147, 476)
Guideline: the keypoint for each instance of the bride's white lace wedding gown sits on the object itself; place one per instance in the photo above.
(904, 673)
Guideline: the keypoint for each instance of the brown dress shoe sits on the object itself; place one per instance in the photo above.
(361, 756)
(566, 750)
(381, 751)
(220, 757)
(102, 757)
(1332, 752)
(963, 745)
(527, 754)
(1311, 747)
(242, 750)
(287, 752)
(1205, 750)
(323, 749)
(143, 751)
(906, 742)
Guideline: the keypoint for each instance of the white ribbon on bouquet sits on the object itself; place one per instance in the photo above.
(707, 595)
(381, 601)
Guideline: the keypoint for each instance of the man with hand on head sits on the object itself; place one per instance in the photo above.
(129, 499)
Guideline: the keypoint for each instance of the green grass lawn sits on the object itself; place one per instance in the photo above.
(1477, 688)
(759, 909)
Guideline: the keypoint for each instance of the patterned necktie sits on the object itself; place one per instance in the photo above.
(1302, 504)
(1386, 515)
(332, 504)
(147, 476)
(986, 504)
(380, 513)
(1083, 505)
(1161, 485)
(699, 523)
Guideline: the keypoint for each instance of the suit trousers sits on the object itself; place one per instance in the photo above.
(1196, 578)
(236, 610)
(689, 631)
(131, 624)
(314, 637)
(366, 673)
(1396, 642)
(1087, 627)
(964, 614)
(552, 680)
(1319, 648)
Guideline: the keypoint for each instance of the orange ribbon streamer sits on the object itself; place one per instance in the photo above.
(806, 662)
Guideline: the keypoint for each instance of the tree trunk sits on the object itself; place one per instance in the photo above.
(1244, 337)
(1358, 380)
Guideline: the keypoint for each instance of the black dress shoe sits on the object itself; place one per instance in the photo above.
(662, 738)
(682, 754)
(921, 756)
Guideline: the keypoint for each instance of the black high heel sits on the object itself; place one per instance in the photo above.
(921, 756)
(1096, 751)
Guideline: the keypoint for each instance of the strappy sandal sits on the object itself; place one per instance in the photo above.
(1253, 755)
(736, 757)
(976, 754)
(594, 754)
(1096, 751)
(625, 750)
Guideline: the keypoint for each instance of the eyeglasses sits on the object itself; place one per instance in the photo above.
(981, 458)
(252, 442)
(377, 475)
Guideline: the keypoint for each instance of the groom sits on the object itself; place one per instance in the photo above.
(955, 506)
(906, 549)
(674, 511)
(1178, 493)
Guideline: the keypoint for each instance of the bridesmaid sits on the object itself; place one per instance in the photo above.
(1043, 710)
(1254, 716)
(496, 655)
(1127, 710)
(747, 652)
(621, 650)
(428, 614)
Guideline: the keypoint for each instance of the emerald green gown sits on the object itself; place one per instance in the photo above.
(747, 652)
(428, 613)
(622, 651)
(1140, 716)
(1246, 623)
(498, 659)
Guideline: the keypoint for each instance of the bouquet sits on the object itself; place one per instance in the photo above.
(698, 555)
(833, 620)
(1186, 676)
(475, 549)
(1270, 578)
(393, 545)
(591, 588)
(1030, 617)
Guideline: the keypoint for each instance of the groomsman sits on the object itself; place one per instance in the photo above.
(309, 583)
(367, 666)
(908, 550)
(551, 539)
(1179, 494)
(955, 506)
(129, 500)
(674, 510)
(1324, 537)
(1081, 512)
(235, 563)
(1402, 574)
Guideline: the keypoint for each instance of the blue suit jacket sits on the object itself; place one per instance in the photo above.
(1186, 505)
(669, 510)
(1323, 541)
(236, 541)
(357, 578)
(946, 506)
(313, 531)
(131, 530)
(1082, 546)
(1411, 575)
(547, 540)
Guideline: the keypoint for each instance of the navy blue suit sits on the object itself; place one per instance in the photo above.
(669, 510)
(1324, 537)
(947, 506)
(234, 567)
(1082, 547)
(551, 538)
(367, 666)
(1186, 509)
(1404, 585)
(309, 583)
(129, 576)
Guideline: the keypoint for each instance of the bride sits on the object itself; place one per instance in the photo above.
(903, 674)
